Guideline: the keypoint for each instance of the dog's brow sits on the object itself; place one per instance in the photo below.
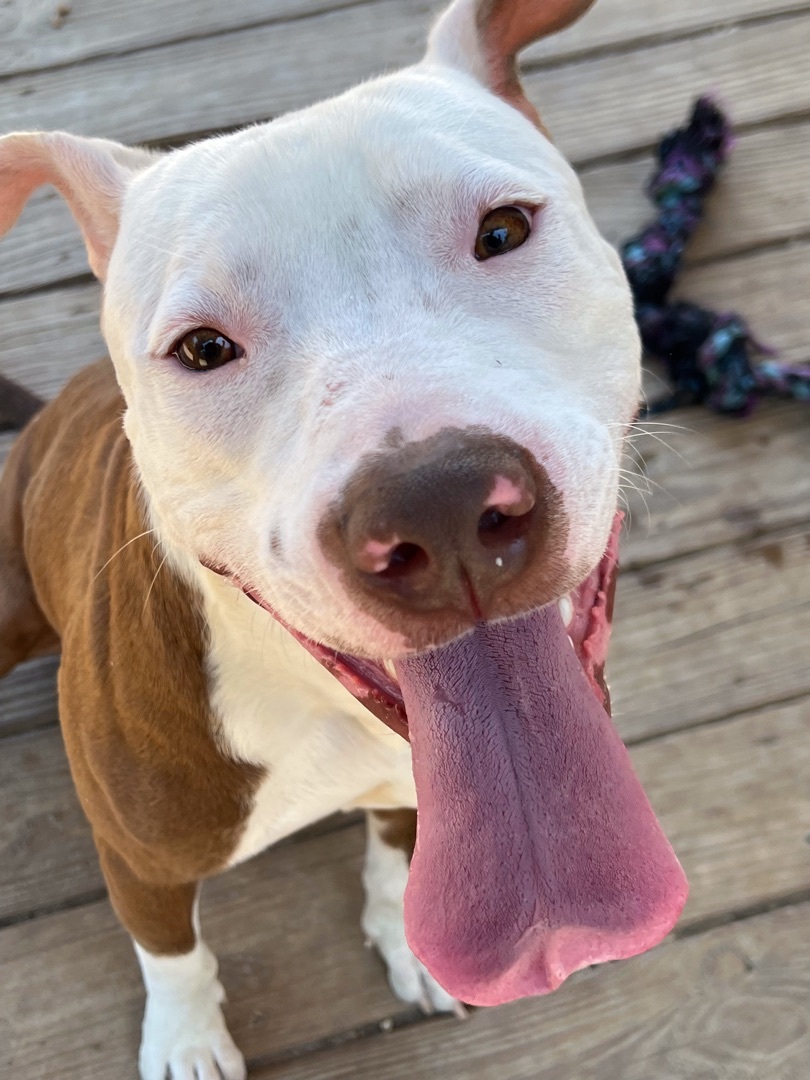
(190, 305)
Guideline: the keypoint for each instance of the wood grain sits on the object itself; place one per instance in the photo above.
(6, 441)
(46, 851)
(593, 105)
(597, 107)
(158, 94)
(711, 480)
(727, 1005)
(48, 338)
(704, 636)
(28, 695)
(34, 36)
(762, 194)
(286, 930)
(732, 797)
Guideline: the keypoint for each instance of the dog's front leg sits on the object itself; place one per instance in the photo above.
(390, 837)
(184, 1035)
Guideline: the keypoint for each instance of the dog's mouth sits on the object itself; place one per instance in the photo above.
(537, 852)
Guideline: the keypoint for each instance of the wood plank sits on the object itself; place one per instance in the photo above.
(713, 480)
(157, 94)
(704, 636)
(292, 913)
(34, 36)
(28, 696)
(49, 337)
(763, 196)
(48, 856)
(593, 105)
(740, 834)
(625, 24)
(6, 441)
(44, 247)
(285, 927)
(734, 800)
(729, 1004)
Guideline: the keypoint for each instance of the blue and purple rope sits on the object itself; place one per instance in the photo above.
(709, 358)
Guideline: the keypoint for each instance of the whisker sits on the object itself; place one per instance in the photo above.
(152, 584)
(146, 532)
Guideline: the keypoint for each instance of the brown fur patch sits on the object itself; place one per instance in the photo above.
(398, 829)
(167, 807)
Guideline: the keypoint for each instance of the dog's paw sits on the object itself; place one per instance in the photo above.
(188, 1044)
(408, 978)
(412, 982)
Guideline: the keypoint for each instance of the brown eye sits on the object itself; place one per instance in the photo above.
(500, 231)
(204, 349)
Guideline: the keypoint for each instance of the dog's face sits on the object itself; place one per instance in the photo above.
(410, 264)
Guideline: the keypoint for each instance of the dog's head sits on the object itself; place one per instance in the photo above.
(376, 357)
(377, 364)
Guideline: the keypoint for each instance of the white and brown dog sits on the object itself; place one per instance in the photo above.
(371, 369)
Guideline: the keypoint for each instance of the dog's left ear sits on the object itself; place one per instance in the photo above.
(91, 174)
(484, 37)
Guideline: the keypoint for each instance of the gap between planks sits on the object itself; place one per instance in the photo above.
(100, 30)
(593, 104)
(742, 835)
(727, 1005)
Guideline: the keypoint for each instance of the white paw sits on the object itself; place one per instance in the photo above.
(190, 1043)
(408, 977)
(412, 982)
(184, 1036)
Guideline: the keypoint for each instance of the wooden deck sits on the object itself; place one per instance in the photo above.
(710, 667)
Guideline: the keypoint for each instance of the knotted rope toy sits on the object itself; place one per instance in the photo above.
(709, 358)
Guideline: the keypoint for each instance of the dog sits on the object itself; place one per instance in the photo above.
(350, 475)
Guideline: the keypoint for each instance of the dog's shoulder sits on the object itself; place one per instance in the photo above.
(134, 693)
(70, 475)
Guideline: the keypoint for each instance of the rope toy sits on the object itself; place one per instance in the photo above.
(709, 358)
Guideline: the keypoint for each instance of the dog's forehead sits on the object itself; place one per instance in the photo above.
(374, 152)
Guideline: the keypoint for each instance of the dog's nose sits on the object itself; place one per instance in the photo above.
(449, 523)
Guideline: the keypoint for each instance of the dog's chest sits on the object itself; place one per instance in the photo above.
(279, 708)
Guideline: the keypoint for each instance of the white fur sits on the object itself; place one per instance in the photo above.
(385, 876)
(279, 708)
(184, 1031)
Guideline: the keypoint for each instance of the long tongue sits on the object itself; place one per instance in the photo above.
(537, 851)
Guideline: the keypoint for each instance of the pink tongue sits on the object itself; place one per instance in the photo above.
(537, 851)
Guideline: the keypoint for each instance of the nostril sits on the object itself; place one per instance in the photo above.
(497, 529)
(491, 520)
(404, 561)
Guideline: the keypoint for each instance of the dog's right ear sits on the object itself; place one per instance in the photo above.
(484, 37)
(91, 174)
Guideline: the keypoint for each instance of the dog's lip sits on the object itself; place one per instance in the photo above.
(588, 625)
(366, 680)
